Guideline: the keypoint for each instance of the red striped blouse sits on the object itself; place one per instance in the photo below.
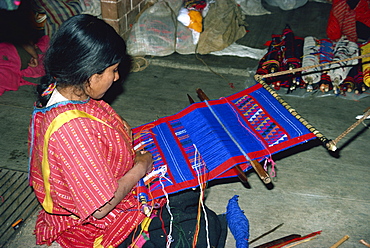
(75, 163)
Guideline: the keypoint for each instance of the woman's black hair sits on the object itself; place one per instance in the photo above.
(84, 45)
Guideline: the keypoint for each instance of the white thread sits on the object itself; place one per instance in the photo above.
(142, 143)
(169, 236)
(162, 170)
(201, 194)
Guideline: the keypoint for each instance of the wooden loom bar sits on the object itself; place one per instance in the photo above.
(366, 114)
(292, 71)
(264, 176)
(329, 144)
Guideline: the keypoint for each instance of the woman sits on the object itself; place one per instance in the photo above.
(83, 168)
(82, 165)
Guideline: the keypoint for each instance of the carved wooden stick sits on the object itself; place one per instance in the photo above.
(279, 241)
(364, 243)
(191, 100)
(341, 241)
(336, 140)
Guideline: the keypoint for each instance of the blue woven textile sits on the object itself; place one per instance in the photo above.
(207, 139)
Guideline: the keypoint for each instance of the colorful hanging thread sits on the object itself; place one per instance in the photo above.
(200, 167)
(169, 235)
(49, 89)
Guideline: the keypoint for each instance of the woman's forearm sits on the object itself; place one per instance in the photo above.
(125, 184)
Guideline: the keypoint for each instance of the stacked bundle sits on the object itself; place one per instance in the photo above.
(324, 66)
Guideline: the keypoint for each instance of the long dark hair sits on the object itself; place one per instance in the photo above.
(84, 45)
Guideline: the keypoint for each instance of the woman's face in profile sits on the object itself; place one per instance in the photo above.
(100, 83)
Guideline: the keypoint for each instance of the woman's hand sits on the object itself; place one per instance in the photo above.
(144, 159)
(34, 62)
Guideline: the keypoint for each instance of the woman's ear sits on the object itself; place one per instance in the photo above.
(91, 81)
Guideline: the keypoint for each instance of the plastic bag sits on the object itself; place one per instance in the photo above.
(287, 4)
(252, 7)
(241, 51)
(158, 33)
(223, 25)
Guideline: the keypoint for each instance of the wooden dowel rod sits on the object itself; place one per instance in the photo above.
(280, 73)
(341, 241)
(241, 174)
(265, 177)
(191, 100)
(336, 140)
(364, 243)
(264, 234)
(300, 242)
(202, 96)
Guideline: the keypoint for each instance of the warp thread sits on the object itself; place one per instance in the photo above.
(169, 236)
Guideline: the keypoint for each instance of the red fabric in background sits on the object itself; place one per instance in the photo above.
(342, 19)
(11, 75)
